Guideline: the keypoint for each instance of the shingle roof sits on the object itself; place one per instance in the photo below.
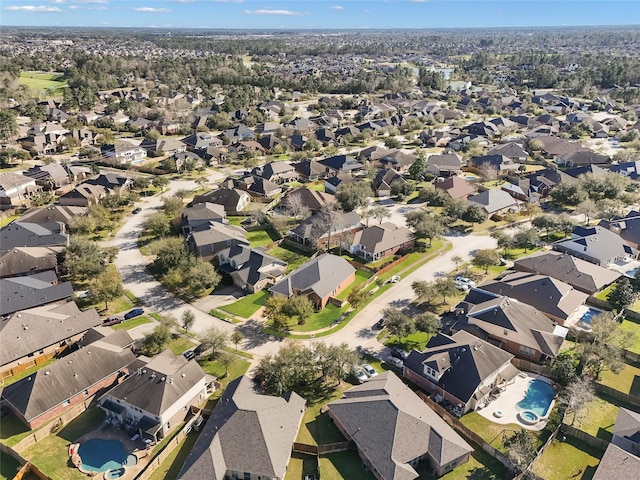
(493, 200)
(251, 265)
(22, 260)
(52, 385)
(247, 432)
(617, 463)
(379, 238)
(53, 213)
(306, 228)
(404, 428)
(596, 244)
(31, 330)
(321, 275)
(23, 234)
(313, 199)
(218, 232)
(456, 187)
(20, 293)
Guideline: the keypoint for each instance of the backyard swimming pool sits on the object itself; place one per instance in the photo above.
(100, 455)
(538, 398)
(589, 314)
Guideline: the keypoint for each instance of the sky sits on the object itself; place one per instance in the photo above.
(325, 14)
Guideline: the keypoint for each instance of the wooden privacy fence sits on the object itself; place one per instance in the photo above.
(320, 449)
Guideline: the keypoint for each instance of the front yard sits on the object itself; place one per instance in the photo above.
(248, 305)
(132, 323)
(414, 341)
(237, 367)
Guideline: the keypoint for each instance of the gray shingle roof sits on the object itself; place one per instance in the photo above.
(379, 238)
(493, 200)
(23, 234)
(31, 330)
(617, 463)
(20, 293)
(247, 432)
(596, 244)
(321, 275)
(391, 427)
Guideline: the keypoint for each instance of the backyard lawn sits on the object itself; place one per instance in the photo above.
(481, 466)
(343, 466)
(569, 458)
(50, 454)
(293, 257)
(627, 381)
(495, 433)
(261, 238)
(597, 419)
(134, 322)
(628, 325)
(170, 468)
(247, 306)
(317, 428)
(14, 378)
(179, 345)
(301, 465)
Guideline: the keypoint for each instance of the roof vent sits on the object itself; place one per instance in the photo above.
(163, 379)
(171, 380)
(47, 372)
(184, 375)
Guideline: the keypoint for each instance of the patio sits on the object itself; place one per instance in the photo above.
(502, 409)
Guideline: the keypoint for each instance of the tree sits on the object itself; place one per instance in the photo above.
(457, 259)
(604, 351)
(188, 319)
(379, 213)
(334, 362)
(423, 290)
(155, 342)
(325, 222)
(622, 295)
(298, 306)
(565, 194)
(520, 449)
(486, 258)
(170, 253)
(200, 277)
(356, 297)
(157, 224)
(273, 311)
(445, 287)
(398, 323)
(532, 209)
(588, 208)
(160, 182)
(226, 359)
(353, 195)
(427, 322)
(424, 224)
(417, 168)
(8, 125)
(577, 395)
(83, 259)
(545, 222)
(488, 172)
(296, 206)
(392, 142)
(564, 369)
(473, 214)
(107, 286)
(171, 205)
(236, 338)
(526, 239)
(214, 339)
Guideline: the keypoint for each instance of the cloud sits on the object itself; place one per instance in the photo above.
(33, 8)
(266, 11)
(337, 7)
(77, 7)
(57, 1)
(215, 1)
(153, 10)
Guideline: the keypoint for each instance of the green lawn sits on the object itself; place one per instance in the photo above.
(52, 82)
(481, 466)
(13, 430)
(261, 238)
(247, 306)
(117, 305)
(236, 368)
(179, 345)
(627, 381)
(236, 220)
(50, 454)
(568, 458)
(495, 433)
(414, 341)
(325, 317)
(170, 468)
(9, 466)
(633, 326)
(7, 220)
(134, 322)
(343, 466)
(317, 428)
(597, 418)
(361, 277)
(301, 465)
(414, 261)
(13, 379)
(293, 257)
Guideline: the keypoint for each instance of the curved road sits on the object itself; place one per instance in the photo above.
(358, 333)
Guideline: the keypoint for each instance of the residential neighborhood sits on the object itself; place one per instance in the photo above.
(312, 257)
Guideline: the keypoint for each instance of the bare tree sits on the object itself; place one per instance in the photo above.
(488, 172)
(380, 212)
(327, 221)
(576, 397)
(296, 206)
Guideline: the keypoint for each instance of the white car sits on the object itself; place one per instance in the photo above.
(360, 375)
(369, 370)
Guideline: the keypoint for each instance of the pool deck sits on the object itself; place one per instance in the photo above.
(506, 403)
(106, 431)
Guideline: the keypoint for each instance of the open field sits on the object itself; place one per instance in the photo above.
(52, 83)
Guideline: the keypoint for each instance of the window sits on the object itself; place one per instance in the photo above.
(234, 474)
(247, 476)
(530, 352)
(65, 403)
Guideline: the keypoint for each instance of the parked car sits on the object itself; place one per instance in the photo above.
(189, 354)
(83, 294)
(394, 279)
(463, 283)
(379, 325)
(369, 370)
(137, 210)
(399, 353)
(136, 312)
(114, 320)
(360, 375)
(395, 362)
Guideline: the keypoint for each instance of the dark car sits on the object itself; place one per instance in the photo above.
(137, 210)
(379, 325)
(114, 320)
(136, 312)
(399, 353)
(189, 354)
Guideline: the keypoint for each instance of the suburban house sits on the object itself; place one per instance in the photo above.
(514, 326)
(495, 202)
(456, 187)
(628, 227)
(52, 213)
(124, 152)
(224, 450)
(378, 241)
(199, 214)
(309, 170)
(316, 232)
(312, 199)
(626, 431)
(383, 181)
(202, 141)
(444, 165)
(582, 275)
(22, 234)
(111, 181)
(156, 397)
(511, 150)
(255, 186)
(617, 463)
(21, 261)
(20, 293)
(276, 172)
(207, 241)
(232, 199)
(461, 369)
(501, 164)
(597, 245)
(340, 163)
(393, 430)
(50, 391)
(320, 279)
(556, 299)
(163, 146)
(335, 183)
(33, 336)
(15, 189)
(51, 177)
(250, 269)
(83, 195)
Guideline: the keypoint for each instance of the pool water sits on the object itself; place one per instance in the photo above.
(589, 314)
(538, 397)
(100, 455)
